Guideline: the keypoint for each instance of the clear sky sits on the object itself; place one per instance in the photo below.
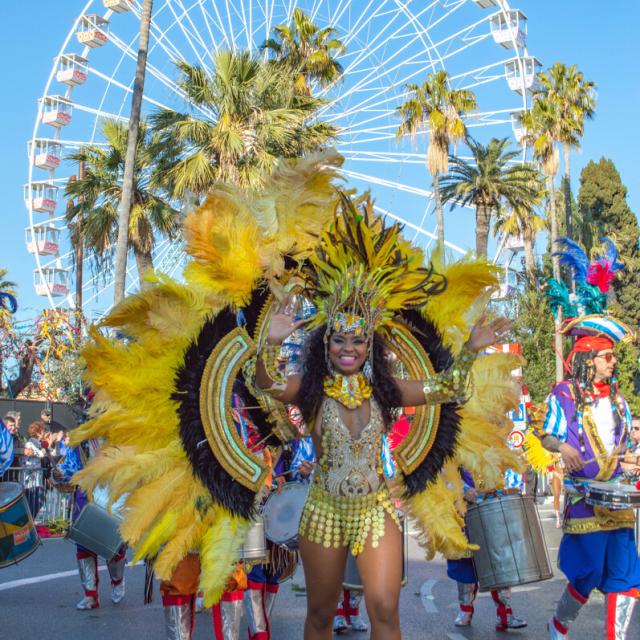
(600, 37)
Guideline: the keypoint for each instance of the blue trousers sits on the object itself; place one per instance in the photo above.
(605, 560)
(462, 570)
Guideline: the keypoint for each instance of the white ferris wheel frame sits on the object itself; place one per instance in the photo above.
(169, 253)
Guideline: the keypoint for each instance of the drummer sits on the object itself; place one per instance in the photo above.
(463, 572)
(588, 424)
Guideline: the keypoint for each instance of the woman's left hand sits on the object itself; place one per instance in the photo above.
(484, 334)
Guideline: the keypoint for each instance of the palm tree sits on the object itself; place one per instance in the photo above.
(490, 178)
(433, 105)
(245, 116)
(309, 50)
(543, 127)
(522, 221)
(93, 219)
(574, 97)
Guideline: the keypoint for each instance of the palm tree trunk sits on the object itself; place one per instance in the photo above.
(144, 262)
(556, 274)
(130, 158)
(567, 191)
(529, 260)
(439, 212)
(79, 259)
(483, 221)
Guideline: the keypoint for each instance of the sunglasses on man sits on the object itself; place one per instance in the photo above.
(607, 356)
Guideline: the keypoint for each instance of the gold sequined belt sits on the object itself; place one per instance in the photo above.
(344, 521)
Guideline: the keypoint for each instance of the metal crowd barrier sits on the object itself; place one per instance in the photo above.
(46, 502)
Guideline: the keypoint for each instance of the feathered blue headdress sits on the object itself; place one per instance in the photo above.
(8, 302)
(584, 311)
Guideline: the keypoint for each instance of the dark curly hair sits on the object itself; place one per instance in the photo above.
(582, 379)
(314, 369)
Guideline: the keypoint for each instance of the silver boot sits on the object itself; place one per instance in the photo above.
(255, 610)
(566, 612)
(116, 571)
(340, 624)
(178, 620)
(506, 620)
(354, 618)
(88, 571)
(227, 615)
(466, 597)
(619, 611)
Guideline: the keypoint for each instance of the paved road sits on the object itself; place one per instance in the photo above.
(37, 600)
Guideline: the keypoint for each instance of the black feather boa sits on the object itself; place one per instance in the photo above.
(449, 425)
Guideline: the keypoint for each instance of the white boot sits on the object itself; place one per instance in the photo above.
(466, 597)
(567, 611)
(506, 619)
(116, 572)
(354, 618)
(88, 571)
(619, 611)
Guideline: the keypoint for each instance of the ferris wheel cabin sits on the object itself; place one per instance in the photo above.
(516, 126)
(72, 69)
(522, 73)
(509, 28)
(46, 154)
(56, 111)
(42, 196)
(486, 4)
(45, 240)
(51, 281)
(93, 31)
(118, 6)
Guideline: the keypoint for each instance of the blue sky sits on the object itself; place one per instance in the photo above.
(601, 38)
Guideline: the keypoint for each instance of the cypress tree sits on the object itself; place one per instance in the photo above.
(603, 200)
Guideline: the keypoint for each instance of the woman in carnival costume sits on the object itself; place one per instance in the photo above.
(588, 423)
(163, 397)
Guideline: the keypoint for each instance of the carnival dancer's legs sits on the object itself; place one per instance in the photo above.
(381, 572)
(88, 571)
(323, 573)
(556, 490)
(178, 598)
(116, 571)
(506, 619)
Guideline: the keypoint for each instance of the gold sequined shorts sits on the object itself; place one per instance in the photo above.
(342, 521)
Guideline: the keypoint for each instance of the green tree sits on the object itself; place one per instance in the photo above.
(488, 180)
(603, 199)
(93, 220)
(309, 50)
(436, 107)
(574, 98)
(534, 330)
(245, 116)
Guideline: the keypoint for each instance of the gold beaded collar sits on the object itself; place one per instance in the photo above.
(350, 391)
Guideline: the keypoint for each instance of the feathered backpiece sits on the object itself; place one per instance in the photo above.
(363, 272)
(592, 279)
(163, 401)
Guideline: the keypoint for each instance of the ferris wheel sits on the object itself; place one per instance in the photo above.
(389, 43)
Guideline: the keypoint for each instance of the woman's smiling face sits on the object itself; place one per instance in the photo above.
(348, 352)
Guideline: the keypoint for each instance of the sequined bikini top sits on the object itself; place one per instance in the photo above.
(348, 466)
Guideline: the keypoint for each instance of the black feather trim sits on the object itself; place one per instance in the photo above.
(222, 487)
(449, 424)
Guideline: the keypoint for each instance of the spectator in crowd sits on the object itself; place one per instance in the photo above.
(635, 435)
(33, 477)
(15, 417)
(50, 424)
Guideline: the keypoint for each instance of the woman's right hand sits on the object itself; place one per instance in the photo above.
(570, 457)
(282, 323)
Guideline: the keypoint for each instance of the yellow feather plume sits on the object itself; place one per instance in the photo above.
(537, 456)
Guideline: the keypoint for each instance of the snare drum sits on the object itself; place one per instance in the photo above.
(282, 513)
(352, 579)
(18, 536)
(613, 495)
(512, 548)
(97, 530)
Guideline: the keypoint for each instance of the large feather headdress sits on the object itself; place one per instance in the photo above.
(363, 272)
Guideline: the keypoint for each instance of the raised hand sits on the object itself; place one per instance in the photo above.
(484, 334)
(282, 323)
